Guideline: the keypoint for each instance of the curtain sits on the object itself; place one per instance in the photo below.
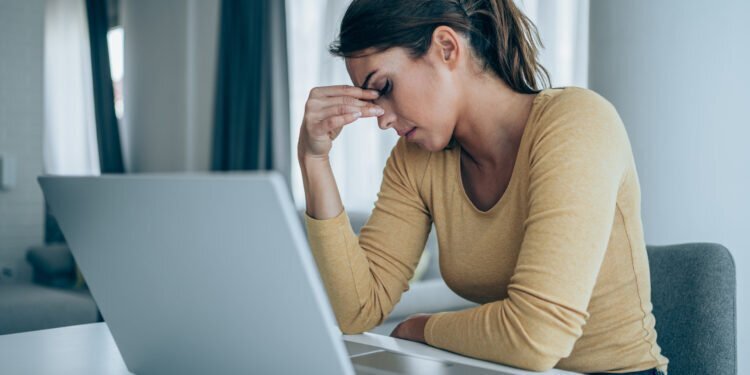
(107, 129)
(69, 133)
(359, 153)
(80, 132)
(564, 29)
(251, 119)
(70, 140)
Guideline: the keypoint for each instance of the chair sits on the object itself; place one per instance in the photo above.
(693, 290)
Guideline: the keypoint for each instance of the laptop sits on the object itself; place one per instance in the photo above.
(212, 274)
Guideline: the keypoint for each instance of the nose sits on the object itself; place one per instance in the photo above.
(387, 120)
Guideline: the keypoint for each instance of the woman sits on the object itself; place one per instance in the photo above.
(534, 193)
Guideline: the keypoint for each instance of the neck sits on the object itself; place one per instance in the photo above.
(490, 127)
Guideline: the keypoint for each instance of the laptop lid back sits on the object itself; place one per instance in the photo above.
(198, 274)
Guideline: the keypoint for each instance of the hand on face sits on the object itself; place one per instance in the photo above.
(327, 111)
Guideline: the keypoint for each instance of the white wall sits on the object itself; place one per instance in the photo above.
(678, 73)
(21, 116)
(168, 90)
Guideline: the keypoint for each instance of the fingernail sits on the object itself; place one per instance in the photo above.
(357, 114)
(377, 111)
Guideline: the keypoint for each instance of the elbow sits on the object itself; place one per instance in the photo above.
(362, 318)
(358, 323)
(547, 333)
(546, 351)
(531, 359)
(354, 329)
(350, 331)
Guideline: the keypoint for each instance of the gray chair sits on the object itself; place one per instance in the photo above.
(693, 290)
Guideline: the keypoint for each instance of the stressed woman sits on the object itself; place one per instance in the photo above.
(533, 192)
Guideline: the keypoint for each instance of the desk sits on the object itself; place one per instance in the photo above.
(90, 350)
(86, 349)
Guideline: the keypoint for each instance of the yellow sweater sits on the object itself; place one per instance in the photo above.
(558, 265)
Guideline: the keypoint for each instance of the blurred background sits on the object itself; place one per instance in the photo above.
(133, 86)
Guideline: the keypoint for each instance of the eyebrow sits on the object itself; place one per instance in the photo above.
(364, 85)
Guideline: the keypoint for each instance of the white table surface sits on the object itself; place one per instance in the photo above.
(90, 350)
(86, 349)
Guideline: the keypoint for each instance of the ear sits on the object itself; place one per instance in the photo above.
(446, 46)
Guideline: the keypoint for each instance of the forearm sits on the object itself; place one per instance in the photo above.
(321, 192)
(521, 330)
(342, 263)
(345, 271)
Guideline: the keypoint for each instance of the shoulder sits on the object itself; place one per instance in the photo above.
(576, 112)
(575, 118)
(576, 103)
(575, 96)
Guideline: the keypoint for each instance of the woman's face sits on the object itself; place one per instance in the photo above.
(419, 96)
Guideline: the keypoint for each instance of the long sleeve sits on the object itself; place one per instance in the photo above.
(576, 164)
(365, 276)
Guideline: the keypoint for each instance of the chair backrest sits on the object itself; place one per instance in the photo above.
(693, 290)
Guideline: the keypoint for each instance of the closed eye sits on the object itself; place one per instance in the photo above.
(386, 88)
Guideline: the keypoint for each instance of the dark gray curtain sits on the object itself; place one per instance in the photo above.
(251, 119)
(107, 130)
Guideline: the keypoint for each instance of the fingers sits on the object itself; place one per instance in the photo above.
(344, 90)
(345, 100)
(335, 110)
(402, 331)
(315, 105)
(395, 332)
(330, 108)
(335, 122)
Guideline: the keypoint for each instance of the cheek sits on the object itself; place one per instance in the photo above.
(438, 114)
(427, 107)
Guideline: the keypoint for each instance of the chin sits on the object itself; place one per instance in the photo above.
(432, 146)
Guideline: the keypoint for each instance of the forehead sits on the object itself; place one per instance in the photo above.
(360, 67)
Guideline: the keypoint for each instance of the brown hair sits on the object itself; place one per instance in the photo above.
(501, 36)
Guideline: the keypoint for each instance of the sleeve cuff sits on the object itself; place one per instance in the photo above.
(429, 329)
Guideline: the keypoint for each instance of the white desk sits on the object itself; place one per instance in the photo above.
(85, 349)
(90, 350)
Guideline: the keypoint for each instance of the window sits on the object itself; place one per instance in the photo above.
(115, 39)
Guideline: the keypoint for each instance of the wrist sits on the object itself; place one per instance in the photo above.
(308, 158)
(313, 163)
(303, 156)
(421, 323)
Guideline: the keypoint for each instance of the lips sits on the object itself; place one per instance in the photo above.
(406, 133)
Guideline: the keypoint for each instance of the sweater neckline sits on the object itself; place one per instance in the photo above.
(500, 202)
